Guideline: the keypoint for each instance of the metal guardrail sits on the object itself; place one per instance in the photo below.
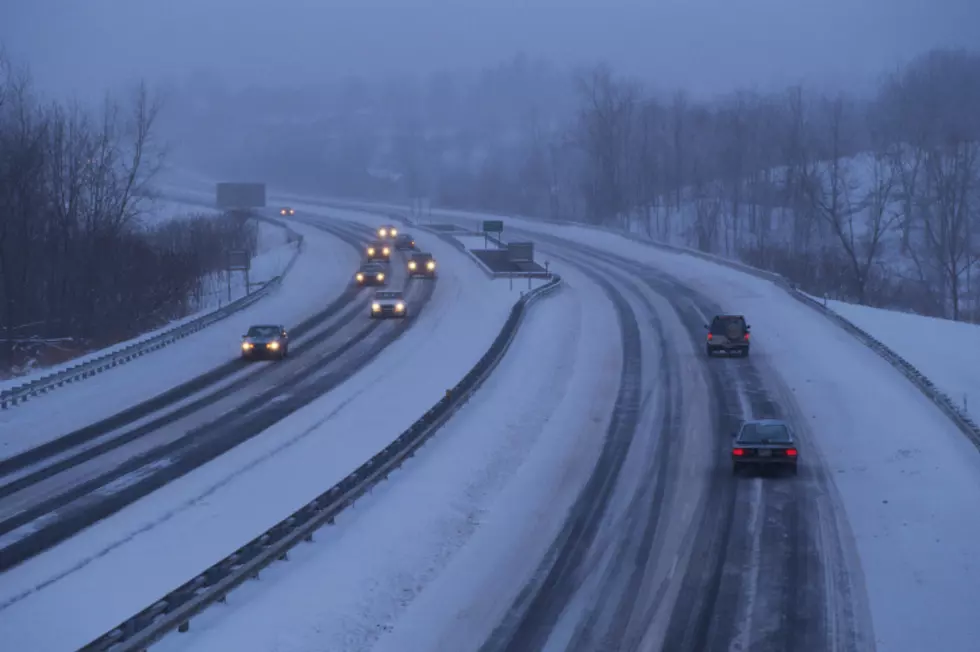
(943, 401)
(175, 610)
(50, 382)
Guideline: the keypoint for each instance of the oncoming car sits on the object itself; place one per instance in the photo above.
(764, 443)
(371, 274)
(404, 241)
(265, 341)
(388, 304)
(422, 264)
(728, 333)
(286, 210)
(387, 231)
(378, 250)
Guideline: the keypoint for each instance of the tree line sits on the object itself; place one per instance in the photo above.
(870, 198)
(80, 267)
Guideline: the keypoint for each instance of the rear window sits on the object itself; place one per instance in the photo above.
(775, 433)
(263, 331)
(720, 325)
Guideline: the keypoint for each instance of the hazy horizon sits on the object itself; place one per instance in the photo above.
(83, 48)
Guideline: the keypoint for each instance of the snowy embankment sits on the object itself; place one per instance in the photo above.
(273, 254)
(947, 352)
(135, 557)
(321, 273)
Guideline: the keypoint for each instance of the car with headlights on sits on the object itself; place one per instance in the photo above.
(764, 444)
(388, 303)
(378, 250)
(371, 274)
(286, 211)
(387, 231)
(422, 265)
(404, 242)
(265, 342)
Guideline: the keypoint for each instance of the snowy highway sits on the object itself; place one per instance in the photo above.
(582, 500)
(63, 493)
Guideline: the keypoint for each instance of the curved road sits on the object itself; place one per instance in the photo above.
(688, 557)
(50, 493)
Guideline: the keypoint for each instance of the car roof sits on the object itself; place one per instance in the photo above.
(729, 317)
(765, 422)
(265, 326)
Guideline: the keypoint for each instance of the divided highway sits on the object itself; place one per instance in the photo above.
(49, 493)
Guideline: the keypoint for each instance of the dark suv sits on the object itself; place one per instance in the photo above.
(728, 333)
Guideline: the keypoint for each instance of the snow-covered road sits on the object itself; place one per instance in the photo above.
(321, 273)
(139, 554)
(883, 512)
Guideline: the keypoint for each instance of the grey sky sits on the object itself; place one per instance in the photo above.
(704, 45)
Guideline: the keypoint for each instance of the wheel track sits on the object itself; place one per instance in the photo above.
(539, 606)
(188, 452)
(803, 562)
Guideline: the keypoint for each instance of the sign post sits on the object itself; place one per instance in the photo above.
(239, 261)
(492, 226)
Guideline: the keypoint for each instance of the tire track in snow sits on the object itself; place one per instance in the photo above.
(537, 609)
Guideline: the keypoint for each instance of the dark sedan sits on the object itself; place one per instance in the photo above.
(764, 444)
(404, 241)
(370, 274)
(264, 342)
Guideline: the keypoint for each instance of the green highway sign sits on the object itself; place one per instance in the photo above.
(493, 226)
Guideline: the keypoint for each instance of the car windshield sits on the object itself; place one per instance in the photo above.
(387, 295)
(422, 257)
(263, 331)
(765, 433)
(721, 325)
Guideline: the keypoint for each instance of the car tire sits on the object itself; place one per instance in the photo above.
(745, 353)
(736, 468)
(708, 351)
(794, 469)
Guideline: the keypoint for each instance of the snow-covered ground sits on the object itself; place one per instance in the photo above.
(131, 559)
(908, 480)
(320, 274)
(272, 256)
(445, 527)
(947, 352)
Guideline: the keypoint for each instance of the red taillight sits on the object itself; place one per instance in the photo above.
(709, 336)
(791, 452)
(746, 336)
(738, 452)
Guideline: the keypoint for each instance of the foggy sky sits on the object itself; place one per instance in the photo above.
(84, 46)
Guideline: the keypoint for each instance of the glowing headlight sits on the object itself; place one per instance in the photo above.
(282, 212)
(399, 307)
(246, 346)
(360, 277)
(394, 232)
(273, 345)
(431, 265)
(412, 265)
(370, 251)
(376, 307)
(382, 232)
(381, 277)
(386, 251)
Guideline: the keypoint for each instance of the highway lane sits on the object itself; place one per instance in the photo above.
(749, 564)
(41, 514)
